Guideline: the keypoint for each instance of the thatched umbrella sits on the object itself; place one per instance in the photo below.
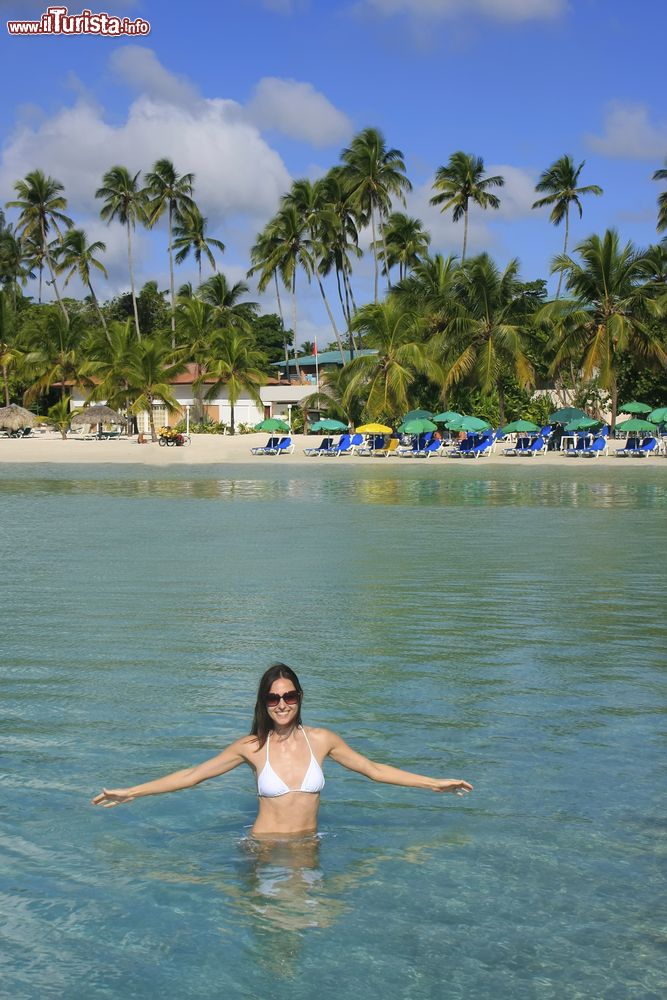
(14, 417)
(97, 415)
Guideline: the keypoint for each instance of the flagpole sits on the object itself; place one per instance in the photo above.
(317, 368)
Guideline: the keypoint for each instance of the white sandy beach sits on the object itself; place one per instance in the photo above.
(214, 449)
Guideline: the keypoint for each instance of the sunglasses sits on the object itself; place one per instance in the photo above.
(289, 697)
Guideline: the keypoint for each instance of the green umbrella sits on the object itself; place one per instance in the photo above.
(658, 416)
(328, 425)
(442, 418)
(468, 424)
(634, 407)
(417, 415)
(520, 427)
(581, 424)
(417, 426)
(272, 424)
(564, 415)
(636, 424)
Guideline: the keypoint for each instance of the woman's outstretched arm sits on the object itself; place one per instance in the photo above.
(345, 755)
(230, 758)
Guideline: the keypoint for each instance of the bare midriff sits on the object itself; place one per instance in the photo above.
(288, 815)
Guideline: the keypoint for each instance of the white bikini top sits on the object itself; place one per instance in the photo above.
(269, 785)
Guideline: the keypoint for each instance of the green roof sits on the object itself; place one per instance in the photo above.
(323, 358)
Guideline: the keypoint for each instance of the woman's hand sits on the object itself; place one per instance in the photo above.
(109, 797)
(452, 785)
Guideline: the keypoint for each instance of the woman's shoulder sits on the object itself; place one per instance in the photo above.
(320, 734)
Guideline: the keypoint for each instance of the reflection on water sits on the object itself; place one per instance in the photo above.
(498, 488)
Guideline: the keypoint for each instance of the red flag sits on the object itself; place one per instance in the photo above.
(315, 351)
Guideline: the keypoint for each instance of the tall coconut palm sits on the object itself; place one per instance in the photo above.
(611, 314)
(9, 352)
(339, 241)
(171, 193)
(15, 265)
(236, 364)
(151, 370)
(196, 327)
(42, 207)
(485, 340)
(407, 243)
(428, 290)
(125, 201)
(190, 234)
(461, 182)
(560, 180)
(226, 301)
(661, 175)
(386, 378)
(108, 358)
(310, 202)
(264, 263)
(374, 175)
(77, 256)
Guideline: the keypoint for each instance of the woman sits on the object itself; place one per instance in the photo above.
(287, 759)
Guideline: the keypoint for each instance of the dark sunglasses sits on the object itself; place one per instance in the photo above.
(289, 697)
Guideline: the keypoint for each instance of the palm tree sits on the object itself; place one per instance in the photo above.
(264, 258)
(109, 357)
(374, 174)
(460, 182)
(429, 291)
(196, 325)
(661, 175)
(237, 364)
(560, 180)
(485, 339)
(42, 206)
(78, 255)
(54, 352)
(170, 193)
(385, 378)
(407, 243)
(9, 352)
(126, 202)
(611, 314)
(339, 240)
(151, 370)
(15, 268)
(225, 300)
(190, 234)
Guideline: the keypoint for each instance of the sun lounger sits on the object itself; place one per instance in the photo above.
(479, 449)
(270, 444)
(324, 445)
(536, 447)
(630, 446)
(391, 449)
(647, 446)
(284, 447)
(374, 443)
(596, 448)
(342, 447)
(432, 448)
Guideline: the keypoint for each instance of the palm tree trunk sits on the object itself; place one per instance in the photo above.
(151, 417)
(99, 311)
(614, 406)
(348, 291)
(134, 295)
(567, 231)
(5, 379)
(296, 362)
(386, 255)
(345, 306)
(375, 254)
(171, 281)
(231, 420)
(53, 274)
(501, 403)
(282, 320)
(331, 318)
(41, 274)
(465, 234)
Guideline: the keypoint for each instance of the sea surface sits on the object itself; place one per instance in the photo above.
(502, 625)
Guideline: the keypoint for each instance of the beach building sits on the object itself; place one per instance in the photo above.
(312, 365)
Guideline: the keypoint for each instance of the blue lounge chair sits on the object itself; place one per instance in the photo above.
(263, 449)
(432, 448)
(480, 448)
(284, 447)
(324, 445)
(597, 447)
(342, 446)
(645, 448)
(631, 445)
(372, 444)
(536, 447)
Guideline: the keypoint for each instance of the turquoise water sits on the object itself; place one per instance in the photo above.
(502, 625)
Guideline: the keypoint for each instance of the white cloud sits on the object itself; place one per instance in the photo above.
(502, 10)
(629, 133)
(141, 69)
(297, 110)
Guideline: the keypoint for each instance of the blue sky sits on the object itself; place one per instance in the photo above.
(252, 94)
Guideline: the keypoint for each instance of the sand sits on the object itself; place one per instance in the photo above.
(215, 449)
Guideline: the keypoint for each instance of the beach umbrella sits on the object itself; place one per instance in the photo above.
(14, 417)
(520, 427)
(328, 425)
(272, 424)
(658, 416)
(634, 407)
(468, 424)
(97, 415)
(420, 425)
(442, 418)
(417, 415)
(564, 415)
(374, 429)
(581, 424)
(636, 424)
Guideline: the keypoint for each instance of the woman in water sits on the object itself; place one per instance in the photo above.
(287, 759)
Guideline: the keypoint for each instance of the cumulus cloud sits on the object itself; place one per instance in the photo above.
(297, 110)
(502, 10)
(630, 133)
(142, 70)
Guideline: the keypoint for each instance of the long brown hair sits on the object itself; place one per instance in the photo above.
(262, 723)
